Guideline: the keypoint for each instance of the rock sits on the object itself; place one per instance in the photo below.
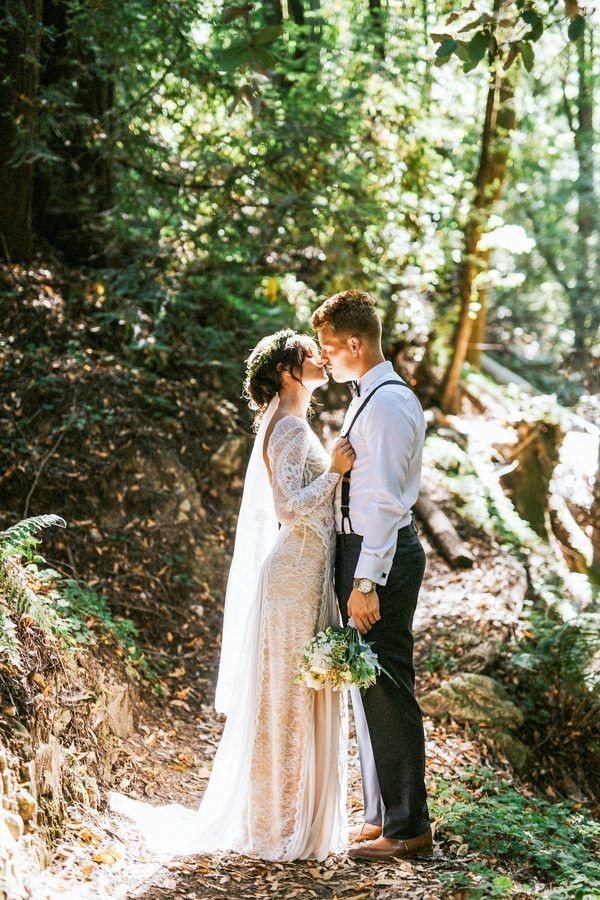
(26, 803)
(48, 764)
(481, 656)
(119, 717)
(5, 780)
(81, 787)
(469, 697)
(14, 824)
(510, 746)
(168, 488)
(62, 718)
(7, 840)
(21, 736)
(185, 507)
(231, 455)
(48, 777)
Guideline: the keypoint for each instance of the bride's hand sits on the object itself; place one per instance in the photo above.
(342, 456)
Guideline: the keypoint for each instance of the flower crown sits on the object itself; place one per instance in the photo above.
(280, 339)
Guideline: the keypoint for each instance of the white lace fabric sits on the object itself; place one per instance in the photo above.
(277, 790)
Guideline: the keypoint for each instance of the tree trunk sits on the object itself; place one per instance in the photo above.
(316, 22)
(273, 13)
(475, 347)
(71, 199)
(309, 32)
(296, 11)
(596, 521)
(583, 299)
(377, 27)
(19, 67)
(499, 123)
(427, 82)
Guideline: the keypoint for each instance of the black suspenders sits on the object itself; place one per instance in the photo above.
(346, 477)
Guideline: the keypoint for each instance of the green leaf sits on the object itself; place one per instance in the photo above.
(446, 48)
(234, 56)
(480, 20)
(576, 28)
(267, 35)
(263, 60)
(439, 36)
(478, 46)
(530, 17)
(527, 55)
(462, 51)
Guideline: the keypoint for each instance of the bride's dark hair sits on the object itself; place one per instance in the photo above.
(283, 351)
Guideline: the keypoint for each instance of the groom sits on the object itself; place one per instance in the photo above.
(379, 568)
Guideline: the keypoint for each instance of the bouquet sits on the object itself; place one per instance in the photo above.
(338, 658)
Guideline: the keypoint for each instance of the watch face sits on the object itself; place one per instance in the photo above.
(365, 586)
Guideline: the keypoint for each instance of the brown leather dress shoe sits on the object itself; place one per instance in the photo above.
(390, 848)
(366, 832)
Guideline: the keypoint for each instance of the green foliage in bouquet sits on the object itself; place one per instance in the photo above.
(338, 658)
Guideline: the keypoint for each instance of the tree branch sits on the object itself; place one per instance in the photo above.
(545, 251)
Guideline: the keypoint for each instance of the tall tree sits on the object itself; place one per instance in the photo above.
(596, 520)
(377, 26)
(570, 245)
(72, 196)
(498, 125)
(584, 300)
(20, 33)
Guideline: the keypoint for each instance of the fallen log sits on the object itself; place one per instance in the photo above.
(503, 375)
(442, 532)
(574, 544)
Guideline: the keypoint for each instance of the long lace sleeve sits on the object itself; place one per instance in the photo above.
(288, 450)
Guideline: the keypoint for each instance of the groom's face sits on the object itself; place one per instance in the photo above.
(338, 352)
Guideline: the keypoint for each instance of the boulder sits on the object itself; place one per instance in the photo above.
(515, 751)
(119, 716)
(230, 457)
(7, 841)
(481, 656)
(48, 766)
(470, 697)
(26, 803)
(14, 824)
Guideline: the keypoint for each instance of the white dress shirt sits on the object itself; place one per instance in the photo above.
(388, 441)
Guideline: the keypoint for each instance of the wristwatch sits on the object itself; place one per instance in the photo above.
(364, 585)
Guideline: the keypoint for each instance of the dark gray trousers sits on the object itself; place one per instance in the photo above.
(388, 719)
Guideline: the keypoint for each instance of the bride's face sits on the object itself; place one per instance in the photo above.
(314, 374)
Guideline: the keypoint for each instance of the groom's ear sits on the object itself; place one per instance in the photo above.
(355, 345)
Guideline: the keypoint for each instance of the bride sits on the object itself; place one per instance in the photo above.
(277, 789)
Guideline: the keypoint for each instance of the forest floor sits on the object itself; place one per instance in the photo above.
(104, 444)
(168, 760)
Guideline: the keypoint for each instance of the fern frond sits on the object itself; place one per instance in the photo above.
(9, 642)
(19, 597)
(19, 540)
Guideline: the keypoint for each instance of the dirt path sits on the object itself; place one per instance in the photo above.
(169, 759)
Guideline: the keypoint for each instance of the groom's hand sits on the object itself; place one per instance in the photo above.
(364, 609)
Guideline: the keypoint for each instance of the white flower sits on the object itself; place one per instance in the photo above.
(313, 680)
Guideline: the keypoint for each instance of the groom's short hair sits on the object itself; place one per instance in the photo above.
(349, 313)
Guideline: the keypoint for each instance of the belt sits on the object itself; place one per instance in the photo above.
(353, 538)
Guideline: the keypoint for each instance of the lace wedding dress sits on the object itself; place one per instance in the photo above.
(277, 789)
